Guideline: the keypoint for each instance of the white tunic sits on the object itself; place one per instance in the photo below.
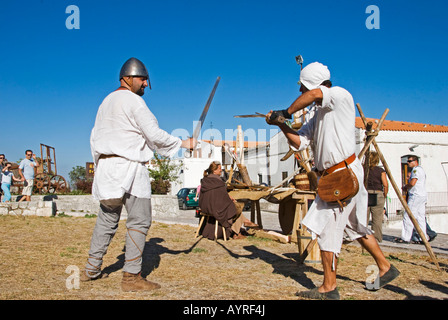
(125, 127)
(332, 129)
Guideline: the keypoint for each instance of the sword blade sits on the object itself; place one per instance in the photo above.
(256, 115)
(198, 128)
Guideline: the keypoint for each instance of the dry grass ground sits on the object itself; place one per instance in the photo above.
(36, 252)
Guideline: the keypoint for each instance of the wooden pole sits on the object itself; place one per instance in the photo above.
(307, 251)
(400, 196)
(244, 174)
(371, 136)
(366, 167)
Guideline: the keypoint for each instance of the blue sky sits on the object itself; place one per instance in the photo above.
(53, 79)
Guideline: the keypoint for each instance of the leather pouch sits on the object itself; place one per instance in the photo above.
(338, 187)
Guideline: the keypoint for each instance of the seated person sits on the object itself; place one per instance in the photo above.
(216, 201)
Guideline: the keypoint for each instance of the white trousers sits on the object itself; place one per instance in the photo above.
(417, 206)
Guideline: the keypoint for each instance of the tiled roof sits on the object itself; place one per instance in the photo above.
(391, 125)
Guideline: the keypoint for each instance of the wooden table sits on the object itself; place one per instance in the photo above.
(302, 199)
(293, 206)
(254, 197)
(290, 200)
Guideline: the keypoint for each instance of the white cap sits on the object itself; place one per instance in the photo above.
(313, 75)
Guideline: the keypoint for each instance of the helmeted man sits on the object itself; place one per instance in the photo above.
(123, 139)
(332, 131)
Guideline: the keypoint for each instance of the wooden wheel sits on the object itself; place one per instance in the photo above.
(57, 184)
(41, 182)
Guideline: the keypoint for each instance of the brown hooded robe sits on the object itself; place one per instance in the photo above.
(215, 200)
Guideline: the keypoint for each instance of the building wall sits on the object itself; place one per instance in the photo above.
(192, 169)
(278, 148)
(430, 147)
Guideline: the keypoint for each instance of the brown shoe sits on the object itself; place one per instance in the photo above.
(135, 282)
(250, 224)
(238, 236)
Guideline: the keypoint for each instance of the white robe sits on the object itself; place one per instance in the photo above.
(125, 127)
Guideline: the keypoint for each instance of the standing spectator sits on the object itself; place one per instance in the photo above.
(2, 161)
(377, 187)
(429, 232)
(416, 191)
(26, 171)
(7, 177)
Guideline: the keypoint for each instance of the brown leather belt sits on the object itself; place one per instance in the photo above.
(105, 156)
(340, 165)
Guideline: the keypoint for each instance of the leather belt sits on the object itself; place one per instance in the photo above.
(340, 165)
(105, 156)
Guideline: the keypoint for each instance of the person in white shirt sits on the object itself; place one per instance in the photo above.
(417, 198)
(332, 131)
(26, 171)
(123, 139)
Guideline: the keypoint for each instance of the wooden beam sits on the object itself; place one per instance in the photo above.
(400, 196)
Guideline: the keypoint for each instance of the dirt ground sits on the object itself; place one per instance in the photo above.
(40, 256)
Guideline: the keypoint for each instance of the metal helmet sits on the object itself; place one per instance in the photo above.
(134, 68)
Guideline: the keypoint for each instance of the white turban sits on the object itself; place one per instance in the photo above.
(313, 75)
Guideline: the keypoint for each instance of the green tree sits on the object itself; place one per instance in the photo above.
(79, 181)
(164, 172)
(77, 173)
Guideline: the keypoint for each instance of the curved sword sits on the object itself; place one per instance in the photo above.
(198, 128)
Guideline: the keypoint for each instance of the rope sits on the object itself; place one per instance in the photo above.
(132, 239)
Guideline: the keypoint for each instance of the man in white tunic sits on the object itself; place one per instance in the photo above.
(417, 199)
(332, 129)
(122, 140)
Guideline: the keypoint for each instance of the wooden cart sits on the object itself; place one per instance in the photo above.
(46, 179)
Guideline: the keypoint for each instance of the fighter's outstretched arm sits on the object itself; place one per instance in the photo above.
(291, 135)
(303, 101)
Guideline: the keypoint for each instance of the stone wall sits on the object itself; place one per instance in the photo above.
(80, 205)
(28, 208)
